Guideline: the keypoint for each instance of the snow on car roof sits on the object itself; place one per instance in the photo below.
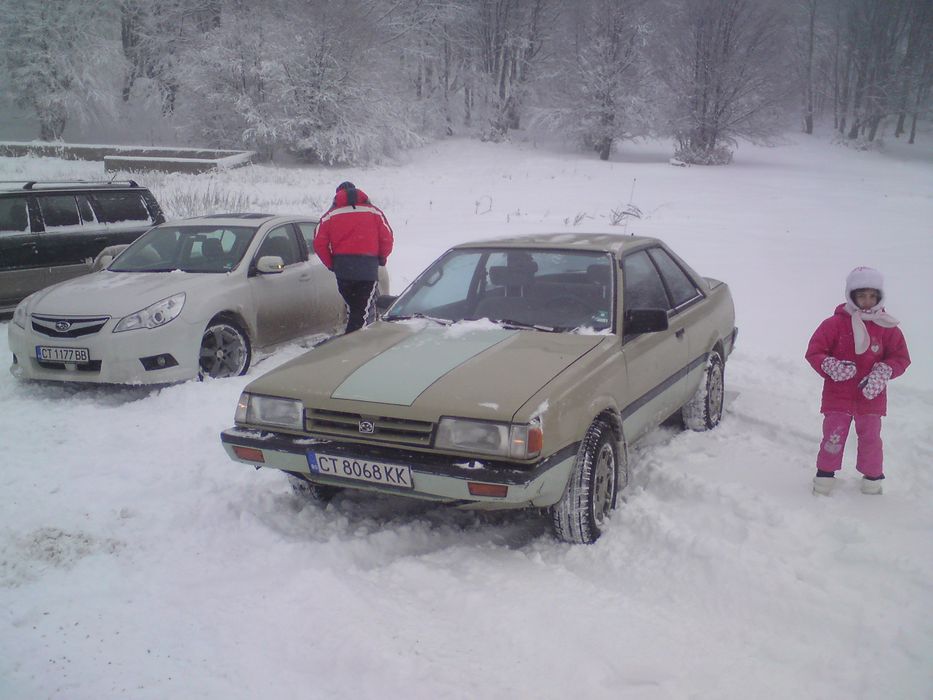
(570, 241)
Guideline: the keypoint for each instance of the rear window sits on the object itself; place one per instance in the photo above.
(13, 216)
(120, 207)
(59, 210)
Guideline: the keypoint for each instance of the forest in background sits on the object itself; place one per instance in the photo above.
(348, 81)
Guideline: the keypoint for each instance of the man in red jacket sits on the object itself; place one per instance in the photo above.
(353, 239)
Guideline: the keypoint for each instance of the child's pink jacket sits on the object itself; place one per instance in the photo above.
(834, 338)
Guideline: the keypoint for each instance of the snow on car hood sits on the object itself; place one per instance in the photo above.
(117, 294)
(423, 370)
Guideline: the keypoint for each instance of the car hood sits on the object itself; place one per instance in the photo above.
(117, 293)
(421, 371)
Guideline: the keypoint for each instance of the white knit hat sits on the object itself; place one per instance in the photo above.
(864, 278)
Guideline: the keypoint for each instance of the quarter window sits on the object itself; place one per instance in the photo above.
(120, 207)
(681, 287)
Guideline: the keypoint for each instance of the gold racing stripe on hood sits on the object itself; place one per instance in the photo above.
(399, 375)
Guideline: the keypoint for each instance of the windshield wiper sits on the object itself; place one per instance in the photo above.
(530, 326)
(441, 321)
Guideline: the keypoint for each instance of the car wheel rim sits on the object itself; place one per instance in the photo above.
(603, 483)
(715, 392)
(223, 352)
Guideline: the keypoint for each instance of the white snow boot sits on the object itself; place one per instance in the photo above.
(871, 487)
(823, 485)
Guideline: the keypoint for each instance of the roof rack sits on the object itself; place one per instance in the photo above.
(59, 184)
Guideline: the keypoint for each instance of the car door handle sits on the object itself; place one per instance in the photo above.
(306, 277)
(680, 333)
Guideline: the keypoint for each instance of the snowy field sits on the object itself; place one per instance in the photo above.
(137, 561)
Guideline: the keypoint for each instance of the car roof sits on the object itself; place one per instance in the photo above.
(613, 242)
(33, 186)
(253, 219)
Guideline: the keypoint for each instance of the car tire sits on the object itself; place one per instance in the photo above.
(580, 515)
(704, 410)
(225, 350)
(310, 491)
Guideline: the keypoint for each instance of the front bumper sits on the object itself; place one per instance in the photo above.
(115, 358)
(435, 477)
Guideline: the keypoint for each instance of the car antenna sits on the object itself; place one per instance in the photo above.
(630, 209)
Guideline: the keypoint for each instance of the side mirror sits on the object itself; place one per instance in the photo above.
(270, 265)
(644, 321)
(384, 301)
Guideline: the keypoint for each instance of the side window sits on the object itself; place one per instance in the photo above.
(307, 232)
(281, 241)
(642, 287)
(680, 285)
(13, 215)
(59, 210)
(121, 207)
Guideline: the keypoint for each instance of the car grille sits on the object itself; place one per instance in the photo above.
(67, 327)
(92, 366)
(353, 425)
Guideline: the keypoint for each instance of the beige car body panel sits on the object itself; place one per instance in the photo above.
(420, 371)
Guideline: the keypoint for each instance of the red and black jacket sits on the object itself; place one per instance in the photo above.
(353, 238)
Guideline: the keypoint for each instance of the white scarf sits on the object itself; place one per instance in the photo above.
(876, 314)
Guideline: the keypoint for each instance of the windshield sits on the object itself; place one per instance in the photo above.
(187, 248)
(546, 289)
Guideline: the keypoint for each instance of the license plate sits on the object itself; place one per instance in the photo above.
(361, 470)
(48, 353)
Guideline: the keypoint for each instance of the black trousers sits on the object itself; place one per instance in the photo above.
(360, 297)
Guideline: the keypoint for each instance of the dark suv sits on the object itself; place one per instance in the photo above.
(52, 231)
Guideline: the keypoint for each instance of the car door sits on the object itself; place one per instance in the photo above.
(330, 305)
(687, 313)
(62, 239)
(285, 301)
(19, 252)
(654, 362)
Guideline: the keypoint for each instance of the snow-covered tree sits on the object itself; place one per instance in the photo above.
(59, 58)
(603, 93)
(727, 69)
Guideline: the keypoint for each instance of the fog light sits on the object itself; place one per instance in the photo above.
(158, 362)
(249, 454)
(494, 490)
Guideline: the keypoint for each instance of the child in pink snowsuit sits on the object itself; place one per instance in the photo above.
(856, 351)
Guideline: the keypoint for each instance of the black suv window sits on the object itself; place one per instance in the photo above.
(13, 215)
(117, 207)
(59, 210)
(681, 287)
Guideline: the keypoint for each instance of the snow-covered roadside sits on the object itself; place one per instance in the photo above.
(137, 561)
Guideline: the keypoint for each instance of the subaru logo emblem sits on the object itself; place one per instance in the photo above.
(62, 326)
(367, 426)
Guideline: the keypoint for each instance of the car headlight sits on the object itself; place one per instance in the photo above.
(153, 316)
(269, 410)
(485, 437)
(20, 316)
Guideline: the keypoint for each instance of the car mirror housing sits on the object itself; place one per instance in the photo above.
(645, 321)
(270, 265)
(384, 301)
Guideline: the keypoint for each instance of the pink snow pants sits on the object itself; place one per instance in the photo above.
(870, 458)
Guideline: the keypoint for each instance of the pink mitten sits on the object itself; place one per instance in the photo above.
(838, 370)
(876, 381)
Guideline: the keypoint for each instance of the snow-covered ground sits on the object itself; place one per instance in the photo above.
(137, 561)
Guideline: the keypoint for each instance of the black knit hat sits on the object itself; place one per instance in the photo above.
(351, 192)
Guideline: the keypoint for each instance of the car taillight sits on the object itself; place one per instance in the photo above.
(249, 454)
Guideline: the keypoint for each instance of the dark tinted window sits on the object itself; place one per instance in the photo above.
(679, 284)
(84, 206)
(642, 287)
(13, 216)
(118, 207)
(59, 210)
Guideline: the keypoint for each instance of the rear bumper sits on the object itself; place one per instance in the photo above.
(435, 477)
